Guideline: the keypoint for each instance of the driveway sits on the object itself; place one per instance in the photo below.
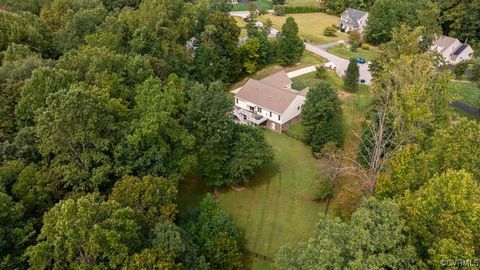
(340, 63)
(321, 50)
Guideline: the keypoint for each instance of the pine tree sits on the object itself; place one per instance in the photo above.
(290, 45)
(352, 75)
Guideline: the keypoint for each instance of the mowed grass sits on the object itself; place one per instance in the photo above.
(311, 26)
(277, 206)
(467, 92)
(345, 52)
(262, 4)
(354, 105)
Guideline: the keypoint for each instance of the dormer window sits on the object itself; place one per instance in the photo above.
(259, 109)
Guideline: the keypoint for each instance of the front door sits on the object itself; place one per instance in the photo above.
(272, 126)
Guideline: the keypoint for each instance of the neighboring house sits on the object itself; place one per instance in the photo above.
(270, 102)
(240, 1)
(353, 19)
(452, 49)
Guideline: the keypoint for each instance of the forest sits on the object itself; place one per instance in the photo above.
(107, 105)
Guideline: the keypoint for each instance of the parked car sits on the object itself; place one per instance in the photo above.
(360, 60)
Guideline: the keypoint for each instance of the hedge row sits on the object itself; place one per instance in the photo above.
(303, 9)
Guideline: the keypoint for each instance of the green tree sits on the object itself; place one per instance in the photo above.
(84, 233)
(352, 76)
(157, 143)
(290, 45)
(251, 50)
(323, 117)
(152, 199)
(78, 129)
(443, 217)
(35, 190)
(216, 236)
(154, 259)
(373, 239)
(15, 233)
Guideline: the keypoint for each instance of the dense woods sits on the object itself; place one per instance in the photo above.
(106, 106)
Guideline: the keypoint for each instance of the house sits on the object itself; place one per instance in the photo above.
(240, 1)
(353, 19)
(270, 102)
(452, 49)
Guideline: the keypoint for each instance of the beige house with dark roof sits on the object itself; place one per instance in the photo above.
(270, 102)
(452, 49)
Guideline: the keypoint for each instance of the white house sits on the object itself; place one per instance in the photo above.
(452, 49)
(270, 102)
(353, 19)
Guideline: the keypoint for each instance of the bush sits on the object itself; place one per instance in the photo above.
(323, 189)
(278, 2)
(321, 72)
(355, 46)
(279, 10)
(330, 31)
(365, 46)
(303, 9)
(262, 11)
(354, 37)
(460, 69)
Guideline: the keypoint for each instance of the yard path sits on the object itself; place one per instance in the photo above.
(302, 71)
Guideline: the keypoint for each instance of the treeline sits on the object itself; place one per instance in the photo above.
(452, 18)
(105, 107)
(417, 169)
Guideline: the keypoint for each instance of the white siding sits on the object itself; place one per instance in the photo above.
(265, 112)
(465, 55)
(294, 109)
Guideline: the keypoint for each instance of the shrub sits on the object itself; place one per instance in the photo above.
(321, 72)
(365, 46)
(330, 31)
(262, 11)
(303, 9)
(279, 10)
(278, 2)
(355, 46)
(460, 68)
(354, 37)
(323, 189)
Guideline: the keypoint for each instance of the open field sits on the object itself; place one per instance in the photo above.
(311, 26)
(467, 92)
(276, 207)
(344, 52)
(262, 4)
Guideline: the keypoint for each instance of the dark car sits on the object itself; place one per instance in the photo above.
(360, 60)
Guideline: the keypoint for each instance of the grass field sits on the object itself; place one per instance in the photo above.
(344, 52)
(311, 26)
(276, 207)
(262, 4)
(467, 92)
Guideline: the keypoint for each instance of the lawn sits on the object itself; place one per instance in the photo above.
(311, 26)
(354, 105)
(344, 52)
(467, 92)
(261, 4)
(276, 207)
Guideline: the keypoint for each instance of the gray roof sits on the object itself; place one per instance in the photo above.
(278, 79)
(354, 15)
(444, 42)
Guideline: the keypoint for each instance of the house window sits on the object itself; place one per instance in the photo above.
(251, 108)
(298, 108)
(270, 114)
(279, 118)
(236, 100)
(259, 109)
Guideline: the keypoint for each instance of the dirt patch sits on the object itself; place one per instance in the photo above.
(344, 95)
